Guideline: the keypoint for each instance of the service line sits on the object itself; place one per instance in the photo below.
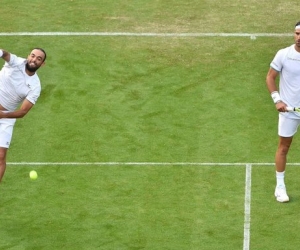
(145, 34)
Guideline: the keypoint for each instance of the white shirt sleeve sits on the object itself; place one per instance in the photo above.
(34, 92)
(15, 61)
(277, 62)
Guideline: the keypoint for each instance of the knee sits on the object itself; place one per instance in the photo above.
(283, 149)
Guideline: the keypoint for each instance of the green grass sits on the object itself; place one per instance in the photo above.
(270, 220)
(121, 208)
(151, 99)
(148, 99)
(150, 16)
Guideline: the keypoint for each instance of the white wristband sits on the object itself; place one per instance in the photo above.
(1, 52)
(276, 97)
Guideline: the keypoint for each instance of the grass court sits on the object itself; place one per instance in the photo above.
(143, 142)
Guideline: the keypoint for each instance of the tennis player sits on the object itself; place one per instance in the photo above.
(286, 65)
(19, 90)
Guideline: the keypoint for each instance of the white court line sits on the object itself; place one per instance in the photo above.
(145, 163)
(247, 216)
(134, 163)
(129, 163)
(146, 34)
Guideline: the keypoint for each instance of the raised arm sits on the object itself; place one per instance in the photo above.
(5, 55)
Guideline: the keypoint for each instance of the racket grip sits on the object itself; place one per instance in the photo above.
(289, 109)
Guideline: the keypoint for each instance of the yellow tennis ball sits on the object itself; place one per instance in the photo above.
(33, 175)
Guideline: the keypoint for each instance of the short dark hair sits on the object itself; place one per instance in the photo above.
(43, 52)
(297, 24)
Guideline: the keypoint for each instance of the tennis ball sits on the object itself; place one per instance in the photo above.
(33, 175)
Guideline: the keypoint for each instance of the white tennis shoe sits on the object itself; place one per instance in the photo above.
(281, 195)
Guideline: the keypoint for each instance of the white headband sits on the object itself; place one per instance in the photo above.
(297, 27)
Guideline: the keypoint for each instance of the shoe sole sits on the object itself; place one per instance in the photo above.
(282, 201)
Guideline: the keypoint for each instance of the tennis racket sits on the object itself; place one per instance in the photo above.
(291, 109)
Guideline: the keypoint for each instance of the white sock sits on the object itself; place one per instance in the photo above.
(280, 179)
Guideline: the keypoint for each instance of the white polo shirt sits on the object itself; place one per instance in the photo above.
(287, 63)
(16, 85)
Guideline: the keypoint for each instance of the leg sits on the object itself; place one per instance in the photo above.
(281, 153)
(280, 161)
(287, 128)
(2, 162)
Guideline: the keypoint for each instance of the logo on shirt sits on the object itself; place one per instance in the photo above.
(294, 59)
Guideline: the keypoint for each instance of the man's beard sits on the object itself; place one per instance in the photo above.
(31, 69)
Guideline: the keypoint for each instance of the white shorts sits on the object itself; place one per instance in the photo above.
(6, 131)
(287, 127)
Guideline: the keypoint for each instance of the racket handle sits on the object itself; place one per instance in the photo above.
(289, 109)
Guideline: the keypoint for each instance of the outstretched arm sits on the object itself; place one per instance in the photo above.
(21, 112)
(5, 55)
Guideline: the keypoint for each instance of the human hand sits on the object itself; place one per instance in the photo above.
(281, 107)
